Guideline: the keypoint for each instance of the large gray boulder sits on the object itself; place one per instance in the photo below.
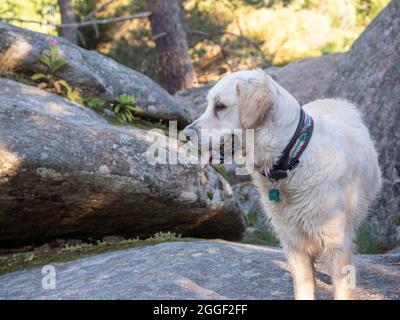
(194, 100)
(307, 79)
(369, 76)
(66, 172)
(193, 270)
(91, 72)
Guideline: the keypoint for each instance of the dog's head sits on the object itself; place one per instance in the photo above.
(242, 100)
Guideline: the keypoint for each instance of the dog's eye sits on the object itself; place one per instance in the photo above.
(219, 107)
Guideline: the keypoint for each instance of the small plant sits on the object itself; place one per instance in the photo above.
(164, 237)
(52, 62)
(96, 104)
(77, 248)
(29, 257)
(126, 108)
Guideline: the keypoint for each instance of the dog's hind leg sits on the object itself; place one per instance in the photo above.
(303, 273)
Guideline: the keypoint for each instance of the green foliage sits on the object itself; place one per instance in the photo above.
(51, 62)
(39, 76)
(259, 234)
(210, 195)
(158, 237)
(223, 35)
(220, 168)
(137, 51)
(126, 108)
(19, 78)
(74, 96)
(165, 237)
(366, 240)
(366, 10)
(24, 260)
(125, 102)
(233, 34)
(96, 104)
(35, 10)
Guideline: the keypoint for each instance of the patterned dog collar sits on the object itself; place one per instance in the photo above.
(293, 151)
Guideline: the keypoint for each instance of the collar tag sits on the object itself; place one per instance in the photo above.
(274, 195)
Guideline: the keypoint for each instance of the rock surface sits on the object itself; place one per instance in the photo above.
(307, 79)
(193, 270)
(194, 100)
(65, 172)
(93, 73)
(369, 75)
(247, 198)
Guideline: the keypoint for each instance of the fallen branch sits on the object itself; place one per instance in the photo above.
(91, 14)
(97, 10)
(141, 15)
(210, 36)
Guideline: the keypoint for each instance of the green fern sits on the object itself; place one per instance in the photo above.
(125, 108)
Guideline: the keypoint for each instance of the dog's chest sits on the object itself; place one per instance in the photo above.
(295, 212)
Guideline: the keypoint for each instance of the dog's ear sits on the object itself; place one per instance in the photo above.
(255, 101)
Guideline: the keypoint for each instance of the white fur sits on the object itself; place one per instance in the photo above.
(327, 195)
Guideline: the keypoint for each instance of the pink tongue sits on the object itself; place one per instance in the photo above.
(205, 159)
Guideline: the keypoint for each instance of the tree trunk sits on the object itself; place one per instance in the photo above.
(171, 44)
(68, 16)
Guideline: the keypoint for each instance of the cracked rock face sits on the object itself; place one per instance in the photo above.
(194, 270)
(66, 172)
(91, 72)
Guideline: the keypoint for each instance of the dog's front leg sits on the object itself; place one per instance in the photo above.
(342, 273)
(303, 273)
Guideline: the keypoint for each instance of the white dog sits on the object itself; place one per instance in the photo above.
(316, 209)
